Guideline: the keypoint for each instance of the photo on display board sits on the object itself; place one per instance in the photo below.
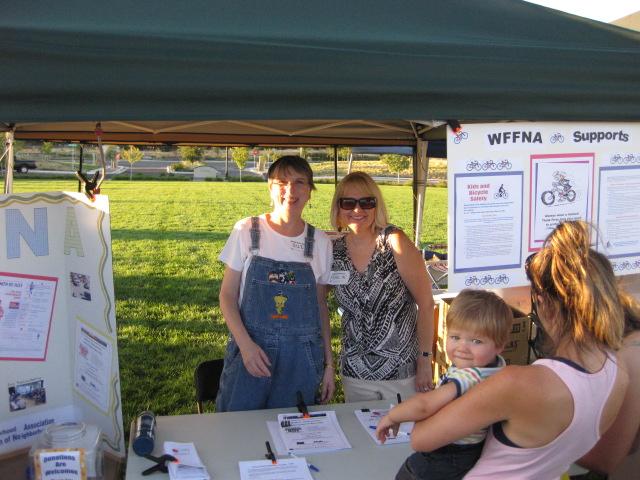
(80, 286)
(23, 395)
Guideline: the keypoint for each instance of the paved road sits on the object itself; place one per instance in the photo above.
(154, 166)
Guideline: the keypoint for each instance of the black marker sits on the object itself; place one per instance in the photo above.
(269, 455)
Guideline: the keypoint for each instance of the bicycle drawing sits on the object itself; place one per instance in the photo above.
(619, 267)
(487, 279)
(557, 137)
(504, 165)
(618, 159)
(489, 165)
(501, 193)
(473, 165)
(459, 137)
(561, 191)
(472, 280)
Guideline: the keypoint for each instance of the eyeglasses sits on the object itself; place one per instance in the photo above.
(537, 344)
(527, 265)
(282, 184)
(349, 203)
(533, 315)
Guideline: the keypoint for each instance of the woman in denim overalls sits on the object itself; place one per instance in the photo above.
(277, 315)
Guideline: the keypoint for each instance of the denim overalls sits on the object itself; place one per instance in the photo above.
(279, 309)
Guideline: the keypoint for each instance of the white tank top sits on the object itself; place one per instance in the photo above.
(590, 392)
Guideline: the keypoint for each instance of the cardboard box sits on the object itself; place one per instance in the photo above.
(516, 352)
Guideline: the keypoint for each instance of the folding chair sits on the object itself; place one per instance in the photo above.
(438, 271)
(207, 381)
(437, 266)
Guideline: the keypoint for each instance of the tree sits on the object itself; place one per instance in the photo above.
(396, 163)
(191, 155)
(131, 154)
(240, 156)
(112, 156)
(271, 154)
(47, 149)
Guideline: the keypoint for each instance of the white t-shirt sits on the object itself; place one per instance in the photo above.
(236, 253)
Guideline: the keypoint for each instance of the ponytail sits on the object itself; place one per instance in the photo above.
(575, 278)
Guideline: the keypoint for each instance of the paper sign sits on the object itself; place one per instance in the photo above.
(60, 464)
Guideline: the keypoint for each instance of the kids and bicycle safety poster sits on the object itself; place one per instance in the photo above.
(510, 184)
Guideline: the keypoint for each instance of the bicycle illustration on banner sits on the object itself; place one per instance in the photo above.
(459, 136)
(475, 165)
(502, 192)
(625, 265)
(618, 159)
(561, 191)
(473, 280)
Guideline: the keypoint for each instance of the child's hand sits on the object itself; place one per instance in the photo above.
(385, 425)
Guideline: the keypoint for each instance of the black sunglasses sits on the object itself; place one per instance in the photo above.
(349, 203)
(539, 341)
(527, 264)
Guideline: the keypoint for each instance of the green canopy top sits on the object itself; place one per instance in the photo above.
(208, 60)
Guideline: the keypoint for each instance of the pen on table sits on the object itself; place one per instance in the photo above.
(302, 406)
(269, 455)
(310, 465)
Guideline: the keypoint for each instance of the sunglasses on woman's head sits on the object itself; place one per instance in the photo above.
(538, 344)
(527, 263)
(533, 315)
(349, 203)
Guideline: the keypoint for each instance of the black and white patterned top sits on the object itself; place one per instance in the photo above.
(379, 339)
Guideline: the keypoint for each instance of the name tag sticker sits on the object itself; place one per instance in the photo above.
(339, 277)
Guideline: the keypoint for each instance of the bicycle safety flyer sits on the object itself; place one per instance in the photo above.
(512, 183)
(369, 418)
(26, 308)
(319, 432)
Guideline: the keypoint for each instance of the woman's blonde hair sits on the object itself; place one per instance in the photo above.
(365, 183)
(483, 313)
(570, 274)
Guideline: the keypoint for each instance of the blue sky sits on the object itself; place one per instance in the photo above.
(602, 10)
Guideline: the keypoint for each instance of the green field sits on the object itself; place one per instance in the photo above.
(166, 237)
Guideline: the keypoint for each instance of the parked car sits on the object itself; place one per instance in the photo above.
(23, 166)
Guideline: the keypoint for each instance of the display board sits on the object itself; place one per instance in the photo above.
(58, 345)
(510, 184)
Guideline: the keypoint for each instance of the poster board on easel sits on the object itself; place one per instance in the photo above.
(58, 343)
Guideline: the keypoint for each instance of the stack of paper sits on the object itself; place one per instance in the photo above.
(369, 419)
(189, 466)
(284, 469)
(320, 432)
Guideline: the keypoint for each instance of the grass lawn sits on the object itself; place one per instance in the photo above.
(166, 237)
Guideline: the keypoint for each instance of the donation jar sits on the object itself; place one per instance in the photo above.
(67, 450)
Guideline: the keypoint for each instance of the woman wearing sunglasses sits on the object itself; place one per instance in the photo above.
(381, 285)
(274, 303)
(547, 415)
